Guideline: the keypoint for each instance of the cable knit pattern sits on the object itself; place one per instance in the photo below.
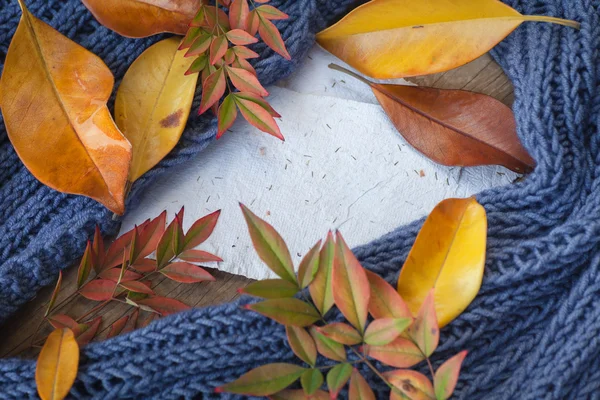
(533, 332)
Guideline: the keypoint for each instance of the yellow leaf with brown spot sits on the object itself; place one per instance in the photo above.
(54, 95)
(399, 38)
(153, 103)
(57, 365)
(448, 255)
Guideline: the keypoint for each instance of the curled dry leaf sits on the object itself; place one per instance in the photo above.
(453, 127)
(153, 103)
(398, 38)
(448, 255)
(141, 18)
(57, 365)
(54, 95)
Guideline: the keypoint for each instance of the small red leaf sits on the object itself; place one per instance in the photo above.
(265, 380)
(240, 38)
(144, 265)
(114, 254)
(384, 331)
(186, 273)
(149, 235)
(401, 353)
(412, 384)
(218, 48)
(244, 52)
(271, 289)
(87, 335)
(113, 274)
(447, 375)
(245, 81)
(253, 21)
(117, 326)
(60, 321)
(213, 89)
(309, 266)
(425, 331)
(270, 12)
(258, 100)
(98, 290)
(163, 305)
(137, 287)
(320, 288)
(259, 117)
(359, 388)
(302, 344)
(385, 302)
(132, 322)
(97, 249)
(337, 378)
(201, 44)
(271, 36)
(164, 249)
(199, 256)
(327, 347)
(201, 230)
(238, 14)
(351, 290)
(341, 333)
(190, 37)
(287, 311)
(54, 294)
(244, 64)
(85, 266)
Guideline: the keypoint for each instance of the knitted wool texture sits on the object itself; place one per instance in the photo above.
(533, 332)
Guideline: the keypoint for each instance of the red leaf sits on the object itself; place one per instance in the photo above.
(401, 353)
(359, 388)
(113, 274)
(114, 254)
(186, 273)
(218, 48)
(350, 285)
(97, 249)
(144, 265)
(85, 266)
(287, 311)
(425, 331)
(213, 89)
(227, 115)
(265, 380)
(60, 321)
(302, 344)
(201, 44)
(259, 117)
(98, 290)
(384, 331)
(244, 52)
(117, 327)
(320, 288)
(198, 65)
(54, 294)
(245, 81)
(271, 289)
(341, 333)
(447, 375)
(240, 37)
(192, 34)
(238, 14)
(132, 322)
(137, 287)
(201, 230)
(163, 305)
(412, 384)
(199, 256)
(270, 12)
(149, 235)
(309, 266)
(87, 335)
(164, 249)
(337, 378)
(244, 64)
(253, 20)
(385, 302)
(272, 38)
(258, 100)
(327, 347)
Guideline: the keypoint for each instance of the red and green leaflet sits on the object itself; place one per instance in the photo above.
(218, 40)
(121, 272)
(334, 276)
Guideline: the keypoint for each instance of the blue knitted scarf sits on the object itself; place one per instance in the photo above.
(533, 332)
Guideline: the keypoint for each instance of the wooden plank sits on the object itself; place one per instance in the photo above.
(482, 75)
(20, 328)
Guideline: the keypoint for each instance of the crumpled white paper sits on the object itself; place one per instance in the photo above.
(343, 166)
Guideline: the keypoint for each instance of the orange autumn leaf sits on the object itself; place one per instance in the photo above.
(57, 365)
(54, 95)
(141, 18)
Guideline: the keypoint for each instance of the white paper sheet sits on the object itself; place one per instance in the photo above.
(343, 166)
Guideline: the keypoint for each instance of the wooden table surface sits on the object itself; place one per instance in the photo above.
(482, 75)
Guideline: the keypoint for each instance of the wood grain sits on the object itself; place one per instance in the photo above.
(482, 75)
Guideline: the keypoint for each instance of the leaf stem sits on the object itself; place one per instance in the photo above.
(552, 20)
(351, 73)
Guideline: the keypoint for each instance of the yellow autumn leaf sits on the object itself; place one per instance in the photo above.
(448, 255)
(153, 103)
(54, 95)
(57, 365)
(399, 38)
